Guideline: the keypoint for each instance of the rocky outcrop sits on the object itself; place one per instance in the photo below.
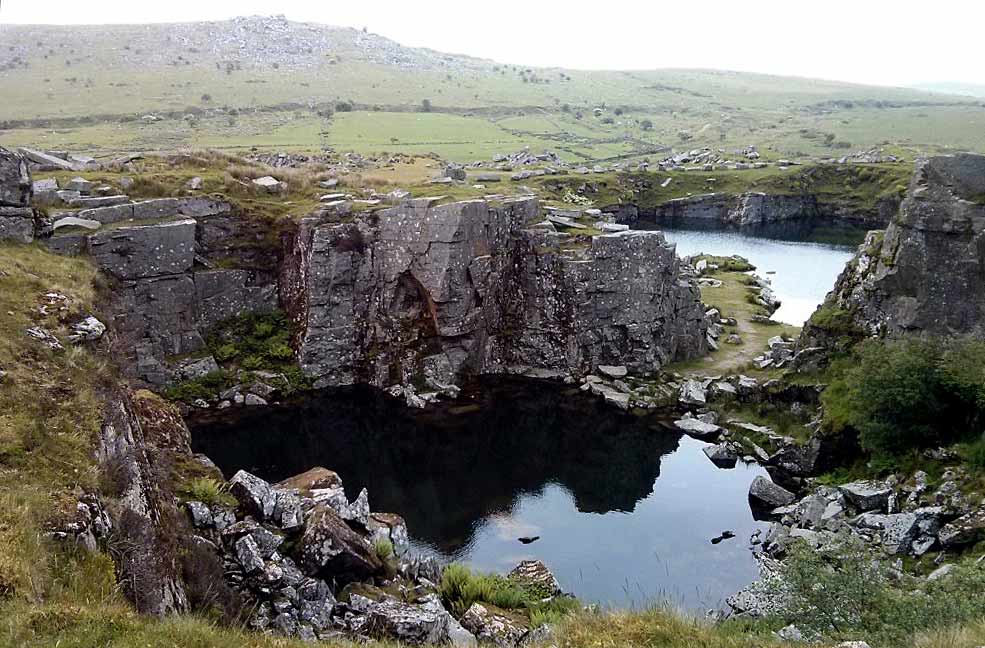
(754, 210)
(140, 438)
(166, 294)
(422, 294)
(926, 273)
(17, 221)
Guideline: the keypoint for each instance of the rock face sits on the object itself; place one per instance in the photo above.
(925, 273)
(165, 299)
(16, 215)
(433, 293)
(753, 210)
(139, 438)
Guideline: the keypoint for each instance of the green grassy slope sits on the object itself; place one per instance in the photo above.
(83, 87)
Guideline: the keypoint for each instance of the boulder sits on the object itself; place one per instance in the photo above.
(317, 478)
(254, 495)
(200, 514)
(15, 180)
(534, 574)
(329, 548)
(248, 554)
(615, 372)
(492, 625)
(722, 455)
(388, 526)
(967, 529)
(693, 392)
(698, 428)
(423, 623)
(81, 185)
(765, 495)
(89, 329)
(867, 495)
(46, 160)
(269, 184)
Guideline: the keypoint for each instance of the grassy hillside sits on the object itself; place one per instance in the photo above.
(270, 83)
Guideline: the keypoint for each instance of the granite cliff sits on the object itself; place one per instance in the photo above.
(418, 295)
(926, 272)
(436, 292)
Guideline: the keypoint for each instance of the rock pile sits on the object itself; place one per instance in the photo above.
(317, 566)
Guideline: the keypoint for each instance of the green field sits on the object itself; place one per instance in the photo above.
(274, 84)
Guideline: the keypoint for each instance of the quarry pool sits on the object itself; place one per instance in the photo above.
(623, 508)
(802, 268)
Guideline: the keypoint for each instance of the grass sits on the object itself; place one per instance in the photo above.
(383, 549)
(461, 587)
(732, 300)
(206, 490)
(91, 99)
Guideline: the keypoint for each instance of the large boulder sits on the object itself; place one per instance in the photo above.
(698, 429)
(867, 495)
(534, 575)
(765, 495)
(329, 548)
(254, 495)
(425, 622)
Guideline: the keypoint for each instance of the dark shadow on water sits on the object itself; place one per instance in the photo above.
(448, 468)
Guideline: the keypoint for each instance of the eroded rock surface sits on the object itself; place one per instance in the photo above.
(432, 293)
(925, 273)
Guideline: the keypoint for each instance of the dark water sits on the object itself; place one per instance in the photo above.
(804, 261)
(624, 506)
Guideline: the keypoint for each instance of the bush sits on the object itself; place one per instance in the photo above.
(909, 394)
(844, 591)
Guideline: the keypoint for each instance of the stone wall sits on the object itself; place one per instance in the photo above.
(429, 294)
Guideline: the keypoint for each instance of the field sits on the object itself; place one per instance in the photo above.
(271, 84)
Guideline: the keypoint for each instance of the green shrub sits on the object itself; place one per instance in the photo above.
(834, 320)
(844, 591)
(974, 454)
(205, 388)
(908, 394)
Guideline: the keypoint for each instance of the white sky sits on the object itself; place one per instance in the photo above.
(886, 42)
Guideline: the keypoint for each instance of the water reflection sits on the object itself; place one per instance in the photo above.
(624, 507)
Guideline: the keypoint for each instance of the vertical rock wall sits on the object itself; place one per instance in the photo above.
(429, 294)
(926, 272)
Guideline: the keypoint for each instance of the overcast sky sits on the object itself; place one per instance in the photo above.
(887, 42)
